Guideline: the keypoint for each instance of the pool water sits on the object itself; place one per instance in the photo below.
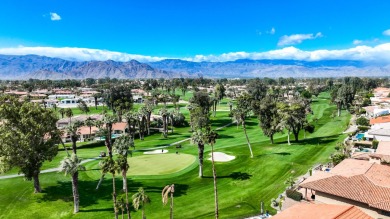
(360, 136)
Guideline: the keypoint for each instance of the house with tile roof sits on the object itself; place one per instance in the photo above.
(361, 183)
(381, 119)
(322, 211)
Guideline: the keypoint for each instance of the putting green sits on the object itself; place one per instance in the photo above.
(159, 164)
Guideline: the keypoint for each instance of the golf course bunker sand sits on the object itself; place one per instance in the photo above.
(156, 152)
(160, 164)
(222, 157)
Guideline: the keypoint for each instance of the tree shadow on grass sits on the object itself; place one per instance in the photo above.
(234, 176)
(277, 153)
(87, 191)
(311, 141)
(224, 136)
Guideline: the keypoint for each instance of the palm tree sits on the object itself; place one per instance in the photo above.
(149, 107)
(168, 190)
(140, 199)
(207, 137)
(131, 119)
(73, 131)
(198, 138)
(62, 112)
(69, 114)
(164, 114)
(121, 146)
(211, 137)
(108, 165)
(240, 116)
(89, 122)
(71, 165)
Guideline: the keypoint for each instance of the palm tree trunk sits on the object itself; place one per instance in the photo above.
(114, 196)
(75, 182)
(37, 186)
(215, 182)
(171, 125)
(66, 149)
(247, 139)
(200, 156)
(124, 171)
(143, 210)
(74, 146)
(288, 137)
(148, 122)
(100, 181)
(271, 137)
(171, 213)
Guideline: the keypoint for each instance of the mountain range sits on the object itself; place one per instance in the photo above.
(41, 67)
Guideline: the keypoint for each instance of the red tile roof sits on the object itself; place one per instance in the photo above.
(356, 180)
(382, 119)
(321, 211)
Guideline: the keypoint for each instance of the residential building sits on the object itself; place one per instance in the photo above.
(361, 183)
(322, 211)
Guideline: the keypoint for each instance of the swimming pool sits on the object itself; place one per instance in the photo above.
(360, 136)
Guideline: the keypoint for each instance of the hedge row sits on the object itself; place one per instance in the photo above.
(297, 196)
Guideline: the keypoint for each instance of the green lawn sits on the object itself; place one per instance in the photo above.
(242, 182)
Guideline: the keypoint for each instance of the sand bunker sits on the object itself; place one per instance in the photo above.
(222, 157)
(156, 152)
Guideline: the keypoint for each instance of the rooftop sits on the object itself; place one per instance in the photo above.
(321, 211)
(382, 119)
(356, 180)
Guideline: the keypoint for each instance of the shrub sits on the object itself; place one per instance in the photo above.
(363, 128)
(362, 121)
(375, 144)
(297, 196)
(337, 158)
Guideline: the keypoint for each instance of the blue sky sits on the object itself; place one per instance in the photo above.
(195, 30)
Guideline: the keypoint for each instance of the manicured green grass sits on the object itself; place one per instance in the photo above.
(152, 164)
(242, 182)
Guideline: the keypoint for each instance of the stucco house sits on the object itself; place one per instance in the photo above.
(361, 183)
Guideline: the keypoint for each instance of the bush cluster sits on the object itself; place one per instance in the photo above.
(295, 195)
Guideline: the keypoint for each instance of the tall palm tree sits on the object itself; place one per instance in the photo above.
(140, 199)
(71, 165)
(131, 119)
(89, 122)
(73, 131)
(69, 114)
(142, 115)
(211, 138)
(149, 107)
(164, 114)
(198, 138)
(108, 165)
(239, 116)
(206, 136)
(62, 112)
(168, 190)
(121, 146)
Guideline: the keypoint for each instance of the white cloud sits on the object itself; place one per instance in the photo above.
(54, 16)
(297, 38)
(379, 53)
(386, 32)
(357, 42)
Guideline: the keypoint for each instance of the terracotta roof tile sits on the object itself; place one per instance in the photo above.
(368, 184)
(382, 119)
(321, 211)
